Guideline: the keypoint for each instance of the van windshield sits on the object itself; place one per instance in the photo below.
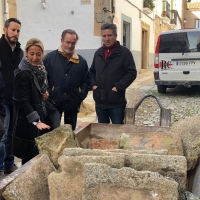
(182, 42)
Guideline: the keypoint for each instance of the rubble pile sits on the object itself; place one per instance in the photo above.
(145, 166)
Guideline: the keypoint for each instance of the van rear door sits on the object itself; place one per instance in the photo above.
(179, 56)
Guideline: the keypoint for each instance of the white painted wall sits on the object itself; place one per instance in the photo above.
(131, 9)
(47, 24)
(159, 7)
(179, 7)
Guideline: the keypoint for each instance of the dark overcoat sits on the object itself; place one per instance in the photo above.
(2, 109)
(9, 61)
(118, 70)
(27, 106)
(69, 82)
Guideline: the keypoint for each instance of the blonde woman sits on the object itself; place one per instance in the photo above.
(30, 95)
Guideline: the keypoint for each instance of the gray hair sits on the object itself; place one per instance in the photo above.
(112, 27)
(70, 31)
(7, 22)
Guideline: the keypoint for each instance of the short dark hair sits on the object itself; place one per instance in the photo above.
(110, 26)
(70, 31)
(7, 22)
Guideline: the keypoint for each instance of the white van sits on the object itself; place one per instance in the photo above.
(177, 59)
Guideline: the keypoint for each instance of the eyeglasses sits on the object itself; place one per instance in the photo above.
(72, 43)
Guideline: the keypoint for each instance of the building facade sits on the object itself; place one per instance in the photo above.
(192, 14)
(139, 23)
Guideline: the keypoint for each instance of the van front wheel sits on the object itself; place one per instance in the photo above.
(161, 89)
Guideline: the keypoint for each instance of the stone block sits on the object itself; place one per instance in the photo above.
(174, 167)
(191, 196)
(95, 143)
(188, 130)
(93, 152)
(67, 183)
(54, 142)
(154, 141)
(157, 152)
(104, 182)
(33, 183)
(83, 152)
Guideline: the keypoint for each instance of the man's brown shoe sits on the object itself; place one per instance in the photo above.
(10, 169)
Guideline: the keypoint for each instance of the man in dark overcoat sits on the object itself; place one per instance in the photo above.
(10, 56)
(113, 70)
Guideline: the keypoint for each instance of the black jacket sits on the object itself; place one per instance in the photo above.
(2, 101)
(9, 61)
(117, 71)
(27, 108)
(2, 109)
(69, 82)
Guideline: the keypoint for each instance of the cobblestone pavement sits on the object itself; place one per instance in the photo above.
(183, 102)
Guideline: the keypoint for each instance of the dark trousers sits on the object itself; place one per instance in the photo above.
(115, 115)
(70, 117)
(7, 158)
(2, 130)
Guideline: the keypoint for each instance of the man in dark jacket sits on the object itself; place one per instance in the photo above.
(112, 71)
(10, 56)
(2, 115)
(2, 108)
(68, 77)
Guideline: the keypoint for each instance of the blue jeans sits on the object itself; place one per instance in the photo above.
(116, 115)
(6, 156)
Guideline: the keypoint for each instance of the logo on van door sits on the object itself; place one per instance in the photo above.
(165, 65)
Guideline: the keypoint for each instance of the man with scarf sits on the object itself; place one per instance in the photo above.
(31, 113)
(68, 77)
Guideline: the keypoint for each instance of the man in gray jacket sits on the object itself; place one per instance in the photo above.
(112, 71)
